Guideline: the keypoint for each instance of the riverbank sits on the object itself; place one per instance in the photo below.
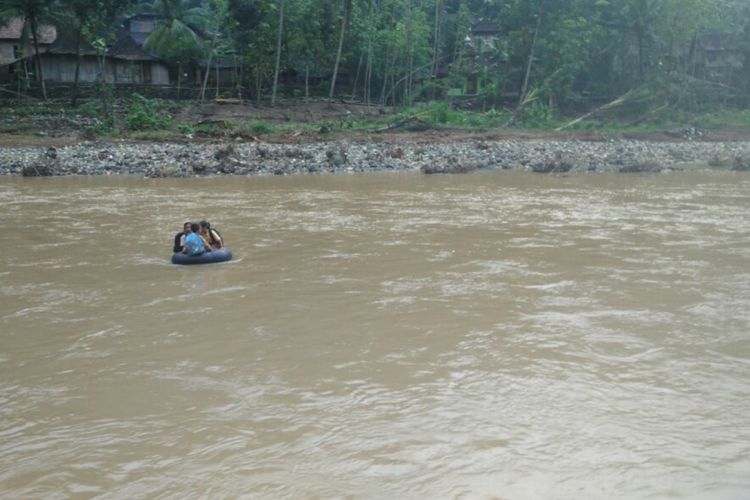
(325, 136)
(428, 153)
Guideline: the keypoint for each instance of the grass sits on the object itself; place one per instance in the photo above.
(260, 127)
(666, 120)
(155, 119)
(738, 119)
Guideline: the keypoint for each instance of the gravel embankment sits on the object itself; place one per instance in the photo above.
(202, 159)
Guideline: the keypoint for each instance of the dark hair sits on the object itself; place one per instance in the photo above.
(194, 227)
(188, 223)
(206, 224)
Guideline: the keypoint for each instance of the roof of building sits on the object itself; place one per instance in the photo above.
(14, 27)
(140, 38)
(124, 47)
(713, 41)
(66, 45)
(484, 27)
(128, 48)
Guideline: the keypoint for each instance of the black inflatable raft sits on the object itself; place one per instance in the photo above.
(221, 255)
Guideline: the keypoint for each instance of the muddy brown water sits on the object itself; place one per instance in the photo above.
(497, 335)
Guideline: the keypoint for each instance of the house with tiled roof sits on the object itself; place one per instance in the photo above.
(12, 46)
(125, 62)
(716, 57)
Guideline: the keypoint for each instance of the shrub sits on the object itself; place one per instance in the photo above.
(260, 127)
(186, 128)
(537, 115)
(90, 108)
(145, 114)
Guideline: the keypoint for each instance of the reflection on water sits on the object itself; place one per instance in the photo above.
(387, 336)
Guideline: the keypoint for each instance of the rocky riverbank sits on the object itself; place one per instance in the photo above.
(340, 156)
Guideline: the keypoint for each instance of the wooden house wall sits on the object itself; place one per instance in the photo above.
(6, 52)
(159, 74)
(61, 68)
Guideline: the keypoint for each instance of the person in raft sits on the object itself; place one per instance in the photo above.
(179, 238)
(211, 236)
(194, 244)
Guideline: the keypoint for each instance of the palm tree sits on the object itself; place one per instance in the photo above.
(175, 37)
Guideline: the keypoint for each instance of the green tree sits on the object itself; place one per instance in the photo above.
(252, 30)
(215, 18)
(175, 37)
(311, 36)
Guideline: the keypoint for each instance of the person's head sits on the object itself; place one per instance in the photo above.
(205, 225)
(186, 227)
(195, 228)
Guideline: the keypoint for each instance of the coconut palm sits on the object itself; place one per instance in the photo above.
(176, 37)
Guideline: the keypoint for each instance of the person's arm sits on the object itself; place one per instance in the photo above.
(206, 243)
(177, 246)
(217, 238)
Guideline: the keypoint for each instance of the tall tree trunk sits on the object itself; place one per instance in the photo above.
(104, 90)
(356, 76)
(239, 75)
(641, 36)
(23, 80)
(408, 84)
(208, 72)
(208, 69)
(386, 75)
(530, 62)
(74, 97)
(368, 73)
(278, 53)
(344, 19)
(367, 87)
(307, 80)
(258, 84)
(436, 46)
(38, 59)
(410, 59)
(179, 79)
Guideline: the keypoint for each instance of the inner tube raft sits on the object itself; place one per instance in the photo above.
(220, 255)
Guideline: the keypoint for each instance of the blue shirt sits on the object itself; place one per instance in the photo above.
(193, 244)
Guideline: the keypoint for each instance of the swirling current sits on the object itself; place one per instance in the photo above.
(495, 335)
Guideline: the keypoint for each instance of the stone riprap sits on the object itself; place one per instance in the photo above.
(205, 159)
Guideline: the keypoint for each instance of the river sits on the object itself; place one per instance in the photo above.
(495, 335)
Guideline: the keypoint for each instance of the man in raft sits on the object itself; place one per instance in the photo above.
(179, 239)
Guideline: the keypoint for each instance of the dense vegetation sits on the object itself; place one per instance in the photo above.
(544, 57)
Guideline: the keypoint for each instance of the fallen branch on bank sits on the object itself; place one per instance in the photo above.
(18, 94)
(629, 97)
(413, 120)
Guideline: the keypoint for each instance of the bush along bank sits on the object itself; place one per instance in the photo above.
(541, 156)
